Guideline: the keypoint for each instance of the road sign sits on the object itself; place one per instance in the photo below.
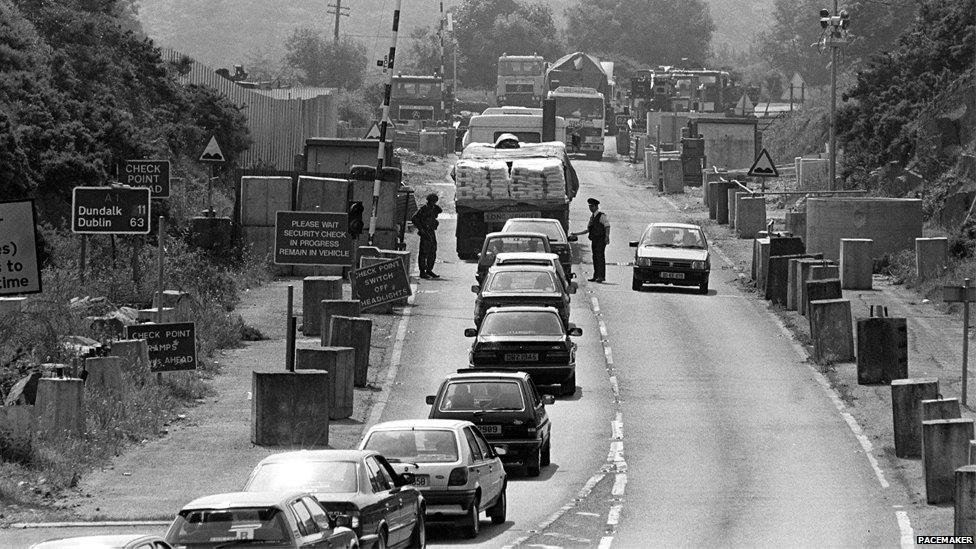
(965, 294)
(312, 238)
(171, 346)
(745, 106)
(763, 166)
(212, 153)
(110, 210)
(959, 293)
(381, 283)
(373, 132)
(20, 272)
(153, 174)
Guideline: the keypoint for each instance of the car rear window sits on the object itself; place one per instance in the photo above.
(522, 281)
(673, 237)
(417, 446)
(201, 526)
(306, 476)
(472, 396)
(501, 244)
(504, 323)
(552, 230)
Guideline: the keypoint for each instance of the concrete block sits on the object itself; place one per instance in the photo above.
(940, 408)
(10, 305)
(818, 290)
(335, 307)
(786, 245)
(24, 392)
(803, 267)
(945, 445)
(315, 289)
(18, 425)
(262, 197)
(931, 257)
(856, 263)
(672, 176)
(340, 362)
(290, 409)
(732, 195)
(964, 512)
(882, 350)
(757, 256)
(716, 189)
(104, 373)
(796, 223)
(151, 315)
(831, 331)
(60, 406)
(134, 354)
(906, 411)
(352, 332)
(722, 206)
(791, 289)
(652, 170)
(182, 303)
(893, 223)
(778, 279)
(824, 272)
(750, 215)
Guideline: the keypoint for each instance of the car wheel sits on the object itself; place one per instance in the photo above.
(381, 540)
(419, 536)
(703, 287)
(546, 458)
(498, 511)
(636, 285)
(473, 520)
(532, 467)
(568, 387)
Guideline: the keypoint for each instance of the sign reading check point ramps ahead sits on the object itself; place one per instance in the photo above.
(312, 238)
(19, 270)
(172, 346)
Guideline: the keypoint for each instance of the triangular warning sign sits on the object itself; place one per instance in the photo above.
(373, 132)
(745, 106)
(763, 166)
(212, 152)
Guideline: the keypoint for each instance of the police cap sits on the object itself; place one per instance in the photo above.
(592, 201)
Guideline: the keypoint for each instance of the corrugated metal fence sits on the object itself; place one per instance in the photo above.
(278, 127)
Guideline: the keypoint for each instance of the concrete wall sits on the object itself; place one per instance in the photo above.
(893, 223)
(727, 145)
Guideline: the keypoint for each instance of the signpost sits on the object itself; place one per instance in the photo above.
(211, 154)
(965, 294)
(110, 210)
(20, 272)
(312, 238)
(381, 283)
(763, 167)
(153, 174)
(172, 346)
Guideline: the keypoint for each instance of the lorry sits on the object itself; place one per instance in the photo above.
(521, 80)
(481, 211)
(584, 110)
(418, 99)
(524, 123)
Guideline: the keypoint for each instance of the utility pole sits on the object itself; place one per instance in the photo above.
(340, 11)
(440, 36)
(834, 36)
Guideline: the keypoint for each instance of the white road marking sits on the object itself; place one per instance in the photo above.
(380, 405)
(580, 496)
(613, 517)
(907, 532)
(619, 485)
(605, 542)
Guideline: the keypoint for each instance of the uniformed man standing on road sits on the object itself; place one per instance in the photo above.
(425, 220)
(598, 230)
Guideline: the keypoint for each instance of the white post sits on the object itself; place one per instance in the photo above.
(384, 122)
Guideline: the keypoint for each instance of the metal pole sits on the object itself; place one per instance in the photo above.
(832, 150)
(440, 35)
(159, 270)
(83, 258)
(335, 33)
(965, 340)
(210, 190)
(289, 335)
(384, 123)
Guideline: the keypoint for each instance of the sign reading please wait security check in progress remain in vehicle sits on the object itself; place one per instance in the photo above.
(312, 238)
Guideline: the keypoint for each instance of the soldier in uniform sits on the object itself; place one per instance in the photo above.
(425, 220)
(598, 230)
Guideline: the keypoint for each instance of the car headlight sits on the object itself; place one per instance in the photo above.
(698, 265)
(643, 262)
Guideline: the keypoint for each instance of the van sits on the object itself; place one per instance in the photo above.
(485, 128)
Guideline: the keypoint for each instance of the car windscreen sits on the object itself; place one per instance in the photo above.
(673, 237)
(306, 476)
(508, 323)
(472, 396)
(553, 231)
(203, 527)
(521, 281)
(414, 446)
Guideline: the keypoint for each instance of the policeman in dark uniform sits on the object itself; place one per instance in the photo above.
(425, 220)
(598, 230)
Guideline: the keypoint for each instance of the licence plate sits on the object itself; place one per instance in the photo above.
(490, 429)
(421, 480)
(677, 276)
(521, 357)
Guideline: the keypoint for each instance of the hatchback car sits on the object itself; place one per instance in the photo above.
(113, 541)
(506, 407)
(498, 242)
(275, 519)
(522, 285)
(455, 468)
(527, 339)
(553, 229)
(671, 253)
(359, 487)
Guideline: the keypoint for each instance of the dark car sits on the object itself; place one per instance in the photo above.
(110, 541)
(521, 285)
(527, 339)
(671, 253)
(382, 507)
(267, 519)
(508, 242)
(552, 228)
(506, 407)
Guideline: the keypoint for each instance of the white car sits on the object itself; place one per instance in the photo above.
(455, 468)
(537, 258)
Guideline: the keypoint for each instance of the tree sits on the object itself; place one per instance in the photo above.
(658, 32)
(423, 54)
(324, 62)
(487, 29)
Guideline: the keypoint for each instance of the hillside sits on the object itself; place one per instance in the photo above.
(222, 33)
